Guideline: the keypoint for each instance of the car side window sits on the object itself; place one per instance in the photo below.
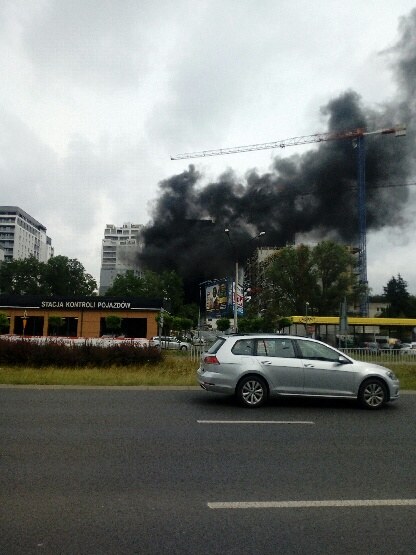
(243, 347)
(278, 347)
(317, 351)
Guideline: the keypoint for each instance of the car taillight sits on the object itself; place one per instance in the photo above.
(211, 359)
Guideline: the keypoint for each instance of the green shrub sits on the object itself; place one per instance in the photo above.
(54, 353)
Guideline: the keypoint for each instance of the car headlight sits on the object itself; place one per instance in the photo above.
(391, 375)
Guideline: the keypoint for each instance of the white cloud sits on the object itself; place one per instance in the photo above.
(99, 94)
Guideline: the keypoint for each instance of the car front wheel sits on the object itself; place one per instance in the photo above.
(252, 392)
(372, 394)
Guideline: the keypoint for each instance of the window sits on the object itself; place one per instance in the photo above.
(214, 348)
(243, 347)
(316, 351)
(279, 347)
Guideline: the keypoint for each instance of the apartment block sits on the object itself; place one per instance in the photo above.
(121, 247)
(21, 236)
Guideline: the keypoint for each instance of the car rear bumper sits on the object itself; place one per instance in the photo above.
(213, 381)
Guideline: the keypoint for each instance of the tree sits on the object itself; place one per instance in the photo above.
(283, 323)
(180, 324)
(190, 311)
(223, 324)
(55, 323)
(4, 323)
(59, 276)
(172, 287)
(401, 303)
(126, 285)
(336, 278)
(165, 322)
(23, 277)
(167, 286)
(173, 323)
(319, 277)
(292, 279)
(66, 277)
(113, 324)
(255, 325)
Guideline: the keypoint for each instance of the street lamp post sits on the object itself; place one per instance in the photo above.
(24, 320)
(207, 282)
(236, 297)
(227, 231)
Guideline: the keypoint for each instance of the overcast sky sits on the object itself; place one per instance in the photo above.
(96, 96)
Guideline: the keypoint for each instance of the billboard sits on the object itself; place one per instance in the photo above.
(240, 298)
(219, 298)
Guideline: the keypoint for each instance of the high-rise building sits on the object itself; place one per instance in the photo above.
(120, 253)
(22, 236)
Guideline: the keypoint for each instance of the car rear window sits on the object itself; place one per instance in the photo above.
(214, 348)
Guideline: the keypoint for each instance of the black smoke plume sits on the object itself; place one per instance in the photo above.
(304, 196)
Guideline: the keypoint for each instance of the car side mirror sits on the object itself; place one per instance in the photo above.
(343, 360)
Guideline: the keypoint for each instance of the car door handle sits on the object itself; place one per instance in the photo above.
(309, 365)
(268, 362)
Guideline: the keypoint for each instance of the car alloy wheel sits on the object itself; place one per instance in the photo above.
(373, 394)
(252, 392)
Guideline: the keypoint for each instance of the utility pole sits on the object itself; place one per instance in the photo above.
(227, 231)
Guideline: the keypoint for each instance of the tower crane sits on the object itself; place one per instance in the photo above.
(357, 136)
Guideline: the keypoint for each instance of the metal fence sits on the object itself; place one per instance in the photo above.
(380, 355)
(196, 351)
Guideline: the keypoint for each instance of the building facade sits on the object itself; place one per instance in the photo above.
(21, 236)
(120, 251)
(79, 316)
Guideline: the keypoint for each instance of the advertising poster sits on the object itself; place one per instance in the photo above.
(216, 296)
(240, 299)
(220, 298)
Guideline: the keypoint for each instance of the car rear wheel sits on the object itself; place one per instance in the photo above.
(372, 394)
(184, 348)
(252, 392)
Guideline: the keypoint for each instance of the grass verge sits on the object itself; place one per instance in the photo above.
(174, 370)
(406, 373)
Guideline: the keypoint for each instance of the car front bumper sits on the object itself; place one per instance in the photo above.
(394, 390)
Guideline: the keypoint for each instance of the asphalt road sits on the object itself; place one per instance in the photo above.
(122, 471)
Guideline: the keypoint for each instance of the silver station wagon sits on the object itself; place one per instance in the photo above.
(256, 366)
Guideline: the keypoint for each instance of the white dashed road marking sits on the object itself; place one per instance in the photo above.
(313, 504)
(305, 422)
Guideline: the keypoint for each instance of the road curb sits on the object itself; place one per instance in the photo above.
(133, 387)
(125, 387)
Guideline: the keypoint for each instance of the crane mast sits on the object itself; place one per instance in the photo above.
(358, 137)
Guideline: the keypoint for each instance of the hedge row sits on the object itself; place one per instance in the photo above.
(54, 353)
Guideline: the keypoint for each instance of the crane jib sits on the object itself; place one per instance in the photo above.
(398, 130)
